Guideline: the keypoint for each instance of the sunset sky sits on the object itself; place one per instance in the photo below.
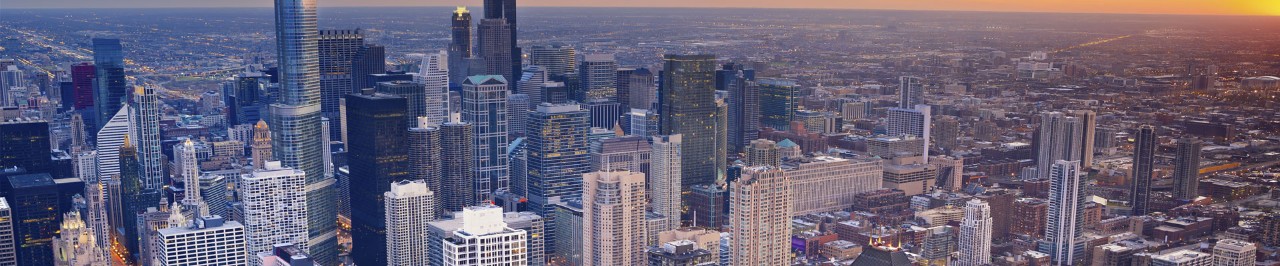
(1216, 7)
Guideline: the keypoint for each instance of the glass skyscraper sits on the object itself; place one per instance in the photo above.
(484, 105)
(376, 157)
(778, 101)
(109, 90)
(557, 156)
(295, 122)
(687, 106)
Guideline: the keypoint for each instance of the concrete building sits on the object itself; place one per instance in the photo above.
(206, 241)
(665, 177)
(763, 152)
(613, 223)
(761, 231)
(1231, 252)
(1182, 258)
(681, 253)
(484, 105)
(8, 252)
(274, 200)
(409, 207)
(829, 183)
(974, 247)
(1064, 228)
(912, 175)
(477, 234)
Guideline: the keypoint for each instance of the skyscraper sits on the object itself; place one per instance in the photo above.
(761, 204)
(557, 59)
(208, 240)
(613, 229)
(910, 92)
(369, 61)
(110, 89)
(34, 200)
(947, 128)
(475, 234)
(531, 83)
(111, 137)
(629, 153)
(779, 99)
(261, 145)
(376, 158)
(744, 104)
(665, 176)
(484, 105)
(25, 143)
(146, 122)
(558, 153)
(913, 122)
(435, 77)
(295, 123)
(459, 44)
(457, 150)
(505, 9)
(1088, 131)
(1064, 228)
(186, 153)
(975, 235)
(409, 209)
(1058, 135)
(598, 78)
(8, 253)
(136, 197)
(495, 46)
(415, 98)
(763, 152)
(1144, 149)
(688, 107)
(82, 79)
(337, 50)
(274, 202)
(1186, 169)
(425, 160)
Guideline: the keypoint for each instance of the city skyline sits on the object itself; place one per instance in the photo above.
(1177, 7)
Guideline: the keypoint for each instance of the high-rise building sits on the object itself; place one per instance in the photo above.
(376, 157)
(665, 177)
(484, 105)
(274, 203)
(247, 99)
(531, 83)
(337, 50)
(558, 153)
(209, 240)
(975, 235)
(458, 173)
(136, 197)
(763, 152)
(779, 99)
(24, 143)
(146, 123)
(8, 252)
(681, 253)
(261, 146)
(598, 78)
(190, 174)
(1028, 217)
(1231, 252)
(1144, 155)
(567, 215)
(495, 47)
(505, 9)
(414, 97)
(913, 122)
(409, 207)
(1186, 169)
(1057, 137)
(82, 79)
(459, 44)
(688, 107)
(761, 204)
(1088, 131)
(295, 124)
(621, 153)
(425, 160)
(213, 192)
(369, 67)
(477, 234)
(709, 205)
(613, 224)
(744, 104)
(556, 59)
(434, 77)
(1065, 224)
(535, 238)
(638, 87)
(110, 90)
(910, 92)
(829, 183)
(947, 129)
(34, 200)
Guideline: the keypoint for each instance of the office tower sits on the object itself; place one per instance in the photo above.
(911, 175)
(208, 240)
(82, 81)
(517, 112)
(434, 77)
(213, 191)
(744, 104)
(1088, 130)
(370, 67)
(24, 143)
(1231, 252)
(779, 99)
(975, 235)
(34, 200)
(665, 177)
(295, 124)
(598, 78)
(425, 160)
(644, 122)
(1144, 155)
(376, 157)
(763, 152)
(457, 142)
(613, 229)
(8, 253)
(409, 207)
(75, 245)
(495, 47)
(1182, 258)
(761, 204)
(12, 86)
(912, 122)
(688, 108)
(642, 92)
(484, 105)
(829, 183)
(136, 198)
(110, 91)
(1186, 169)
(246, 102)
(709, 205)
(146, 122)
(721, 150)
(336, 50)
(556, 59)
(261, 145)
(947, 129)
(910, 92)
(604, 113)
(558, 153)
(1065, 224)
(414, 98)
(621, 153)
(477, 234)
(190, 174)
(535, 238)
(274, 202)
(151, 221)
(326, 150)
(532, 79)
(459, 44)
(505, 9)
(1058, 133)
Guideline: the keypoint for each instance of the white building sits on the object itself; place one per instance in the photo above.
(275, 207)
(434, 75)
(112, 135)
(8, 252)
(1231, 252)
(664, 178)
(759, 210)
(915, 122)
(409, 207)
(207, 241)
(975, 235)
(1182, 258)
(830, 183)
(76, 244)
(614, 231)
(1064, 228)
(190, 174)
(484, 239)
